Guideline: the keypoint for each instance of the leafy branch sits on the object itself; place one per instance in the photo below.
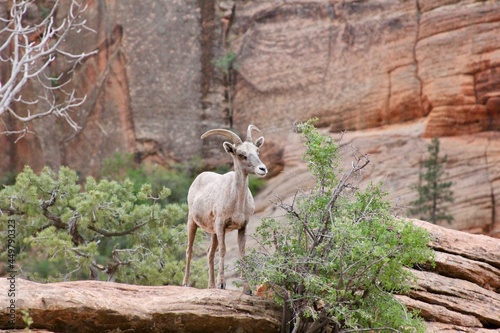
(104, 229)
(337, 257)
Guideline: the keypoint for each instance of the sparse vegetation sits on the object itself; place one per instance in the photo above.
(227, 62)
(177, 177)
(227, 65)
(27, 319)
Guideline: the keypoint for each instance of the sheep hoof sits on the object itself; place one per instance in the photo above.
(221, 286)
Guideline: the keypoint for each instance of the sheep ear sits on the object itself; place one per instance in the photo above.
(229, 147)
(259, 142)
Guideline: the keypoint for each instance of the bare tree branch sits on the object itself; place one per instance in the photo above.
(30, 44)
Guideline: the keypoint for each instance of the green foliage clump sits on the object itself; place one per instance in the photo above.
(433, 192)
(227, 62)
(103, 230)
(338, 256)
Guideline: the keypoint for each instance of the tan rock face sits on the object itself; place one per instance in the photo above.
(464, 287)
(358, 65)
(354, 64)
(351, 64)
(459, 81)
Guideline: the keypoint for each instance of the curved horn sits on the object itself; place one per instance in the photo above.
(228, 134)
(249, 132)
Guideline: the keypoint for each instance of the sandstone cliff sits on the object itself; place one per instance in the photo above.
(358, 65)
(143, 89)
(460, 294)
(408, 70)
(391, 73)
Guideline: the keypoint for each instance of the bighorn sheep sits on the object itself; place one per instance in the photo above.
(219, 203)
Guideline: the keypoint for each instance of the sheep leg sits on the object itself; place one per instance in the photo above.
(241, 246)
(192, 227)
(210, 259)
(221, 233)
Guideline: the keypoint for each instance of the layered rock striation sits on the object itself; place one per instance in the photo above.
(359, 65)
(462, 292)
(390, 73)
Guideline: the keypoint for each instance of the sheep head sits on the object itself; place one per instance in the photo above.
(244, 153)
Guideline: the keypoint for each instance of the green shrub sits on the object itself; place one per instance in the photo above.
(103, 230)
(178, 177)
(338, 256)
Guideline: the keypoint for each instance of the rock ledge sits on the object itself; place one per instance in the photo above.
(94, 306)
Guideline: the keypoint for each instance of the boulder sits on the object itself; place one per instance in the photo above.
(461, 293)
(460, 299)
(93, 306)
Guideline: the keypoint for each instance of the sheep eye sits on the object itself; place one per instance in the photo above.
(241, 156)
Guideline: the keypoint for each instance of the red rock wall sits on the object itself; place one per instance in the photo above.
(358, 65)
(143, 90)
(429, 66)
